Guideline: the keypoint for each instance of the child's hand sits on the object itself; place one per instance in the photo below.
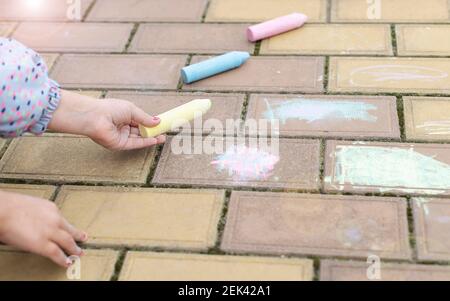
(35, 225)
(115, 125)
(112, 123)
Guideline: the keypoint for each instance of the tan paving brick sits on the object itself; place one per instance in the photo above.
(192, 267)
(49, 59)
(224, 106)
(54, 10)
(191, 38)
(339, 116)
(119, 71)
(403, 168)
(261, 10)
(267, 74)
(332, 39)
(427, 118)
(39, 191)
(403, 75)
(148, 11)
(333, 270)
(251, 163)
(390, 11)
(432, 228)
(6, 29)
(285, 223)
(73, 159)
(74, 37)
(423, 39)
(2, 143)
(96, 265)
(174, 218)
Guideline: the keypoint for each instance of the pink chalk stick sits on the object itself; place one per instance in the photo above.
(275, 26)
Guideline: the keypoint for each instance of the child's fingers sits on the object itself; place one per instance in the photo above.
(139, 142)
(67, 243)
(55, 254)
(76, 234)
(161, 139)
(140, 117)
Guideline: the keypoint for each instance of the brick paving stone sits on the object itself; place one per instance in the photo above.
(6, 29)
(332, 39)
(224, 106)
(74, 37)
(339, 116)
(427, 118)
(390, 11)
(334, 270)
(60, 158)
(403, 75)
(2, 143)
(51, 10)
(287, 223)
(424, 40)
(39, 191)
(148, 11)
(267, 74)
(119, 71)
(191, 38)
(432, 228)
(261, 10)
(175, 218)
(49, 59)
(195, 267)
(402, 168)
(96, 265)
(252, 163)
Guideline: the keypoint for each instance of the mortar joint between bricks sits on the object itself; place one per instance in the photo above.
(326, 68)
(205, 12)
(222, 221)
(88, 11)
(394, 40)
(119, 264)
(328, 11)
(411, 232)
(316, 269)
(131, 37)
(401, 117)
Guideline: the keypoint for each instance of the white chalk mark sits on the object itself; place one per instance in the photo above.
(390, 168)
(435, 127)
(311, 110)
(383, 73)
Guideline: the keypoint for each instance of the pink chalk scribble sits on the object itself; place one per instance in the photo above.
(244, 163)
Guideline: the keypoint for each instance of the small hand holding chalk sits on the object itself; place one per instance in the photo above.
(117, 127)
(112, 123)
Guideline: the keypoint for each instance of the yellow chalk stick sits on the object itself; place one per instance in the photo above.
(177, 117)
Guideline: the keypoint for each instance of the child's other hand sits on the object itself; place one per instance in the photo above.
(35, 225)
(112, 123)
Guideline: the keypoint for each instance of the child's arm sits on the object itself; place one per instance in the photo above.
(31, 102)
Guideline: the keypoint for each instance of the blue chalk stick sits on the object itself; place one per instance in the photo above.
(214, 66)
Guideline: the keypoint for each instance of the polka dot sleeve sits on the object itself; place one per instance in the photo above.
(28, 97)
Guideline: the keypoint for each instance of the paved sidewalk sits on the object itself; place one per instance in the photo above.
(363, 101)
